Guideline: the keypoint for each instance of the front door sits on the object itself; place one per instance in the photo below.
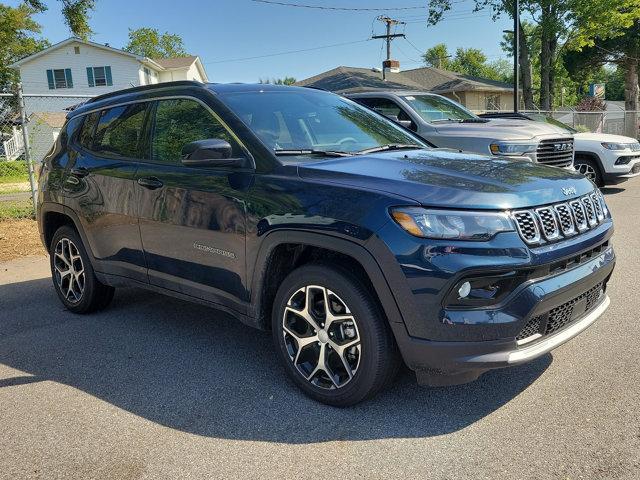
(192, 219)
(99, 187)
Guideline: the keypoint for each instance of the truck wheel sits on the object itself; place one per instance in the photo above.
(589, 169)
(331, 336)
(73, 277)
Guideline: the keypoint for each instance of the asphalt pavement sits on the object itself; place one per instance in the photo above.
(158, 388)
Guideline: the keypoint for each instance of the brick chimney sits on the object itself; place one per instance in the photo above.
(391, 66)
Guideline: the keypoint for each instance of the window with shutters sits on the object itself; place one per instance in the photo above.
(59, 78)
(99, 76)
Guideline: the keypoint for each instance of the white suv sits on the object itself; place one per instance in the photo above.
(606, 159)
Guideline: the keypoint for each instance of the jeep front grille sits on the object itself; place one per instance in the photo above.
(557, 152)
(561, 220)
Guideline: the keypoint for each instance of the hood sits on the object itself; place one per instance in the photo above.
(501, 129)
(604, 137)
(442, 178)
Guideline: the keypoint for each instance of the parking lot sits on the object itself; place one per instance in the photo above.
(158, 388)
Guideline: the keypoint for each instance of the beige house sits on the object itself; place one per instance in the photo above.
(477, 94)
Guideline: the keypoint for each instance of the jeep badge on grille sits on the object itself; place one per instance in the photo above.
(566, 191)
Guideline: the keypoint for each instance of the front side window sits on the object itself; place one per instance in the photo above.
(435, 109)
(314, 120)
(120, 131)
(178, 122)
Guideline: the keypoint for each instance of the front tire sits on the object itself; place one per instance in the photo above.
(331, 336)
(73, 277)
(589, 169)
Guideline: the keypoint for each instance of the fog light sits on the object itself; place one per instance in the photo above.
(464, 290)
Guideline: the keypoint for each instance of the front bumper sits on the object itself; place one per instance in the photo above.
(617, 177)
(454, 362)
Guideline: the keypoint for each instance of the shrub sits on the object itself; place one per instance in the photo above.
(15, 169)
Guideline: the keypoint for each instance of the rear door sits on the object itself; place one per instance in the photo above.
(192, 219)
(99, 187)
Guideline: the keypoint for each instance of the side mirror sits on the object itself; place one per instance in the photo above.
(213, 152)
(407, 124)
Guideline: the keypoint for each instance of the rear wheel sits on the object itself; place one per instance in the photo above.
(331, 336)
(589, 169)
(73, 277)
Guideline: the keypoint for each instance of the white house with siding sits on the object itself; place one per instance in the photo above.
(76, 67)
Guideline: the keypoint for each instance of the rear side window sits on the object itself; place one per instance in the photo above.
(120, 131)
(179, 122)
(85, 138)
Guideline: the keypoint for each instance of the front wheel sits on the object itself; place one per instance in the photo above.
(331, 336)
(589, 169)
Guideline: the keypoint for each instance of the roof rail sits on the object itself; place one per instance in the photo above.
(142, 88)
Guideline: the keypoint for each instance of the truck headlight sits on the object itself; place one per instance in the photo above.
(451, 224)
(615, 146)
(509, 148)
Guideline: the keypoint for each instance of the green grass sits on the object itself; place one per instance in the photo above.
(16, 209)
(13, 172)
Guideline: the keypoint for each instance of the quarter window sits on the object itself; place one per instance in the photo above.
(88, 128)
(119, 131)
(182, 121)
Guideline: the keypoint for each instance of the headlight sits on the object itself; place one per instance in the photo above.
(506, 148)
(450, 224)
(615, 146)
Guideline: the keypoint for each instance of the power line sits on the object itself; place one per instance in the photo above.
(348, 9)
(287, 53)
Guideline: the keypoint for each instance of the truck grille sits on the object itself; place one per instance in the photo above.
(556, 152)
(562, 315)
(561, 220)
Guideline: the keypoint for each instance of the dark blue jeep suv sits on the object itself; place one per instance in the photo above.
(304, 213)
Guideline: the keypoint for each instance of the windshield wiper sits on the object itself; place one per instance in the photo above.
(391, 146)
(437, 120)
(475, 120)
(326, 153)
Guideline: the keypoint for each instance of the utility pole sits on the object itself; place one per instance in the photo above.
(389, 22)
(516, 55)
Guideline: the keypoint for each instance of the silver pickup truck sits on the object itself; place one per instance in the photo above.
(447, 124)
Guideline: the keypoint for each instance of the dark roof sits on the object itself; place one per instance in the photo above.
(351, 80)
(176, 62)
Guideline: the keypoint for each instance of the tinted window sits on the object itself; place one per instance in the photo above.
(385, 107)
(182, 121)
(88, 128)
(438, 109)
(119, 131)
(301, 120)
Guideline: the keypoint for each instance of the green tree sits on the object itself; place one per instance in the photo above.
(278, 81)
(18, 39)
(76, 16)
(468, 61)
(559, 25)
(148, 42)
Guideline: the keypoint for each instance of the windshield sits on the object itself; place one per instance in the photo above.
(550, 120)
(314, 121)
(437, 109)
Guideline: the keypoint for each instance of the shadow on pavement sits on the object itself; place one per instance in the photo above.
(197, 370)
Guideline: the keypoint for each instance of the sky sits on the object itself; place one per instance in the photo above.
(225, 32)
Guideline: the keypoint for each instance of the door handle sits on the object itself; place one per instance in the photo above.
(79, 172)
(151, 183)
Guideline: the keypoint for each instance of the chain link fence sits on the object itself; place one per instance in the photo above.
(29, 125)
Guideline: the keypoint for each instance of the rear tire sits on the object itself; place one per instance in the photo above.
(73, 277)
(340, 354)
(590, 169)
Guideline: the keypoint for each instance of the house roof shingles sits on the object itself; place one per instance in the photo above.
(351, 79)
